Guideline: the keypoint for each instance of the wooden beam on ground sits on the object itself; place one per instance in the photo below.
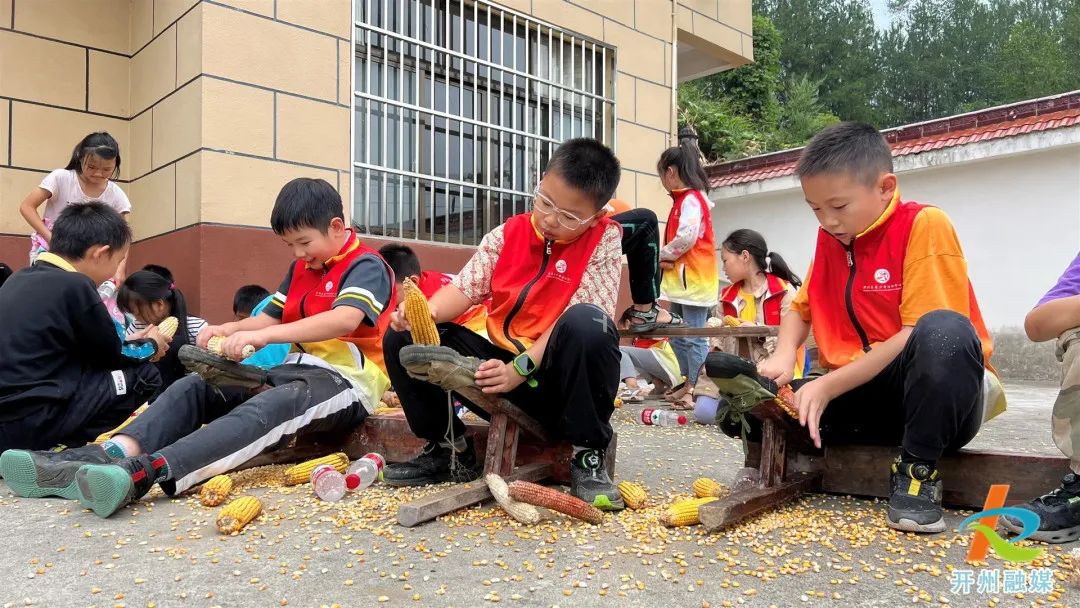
(462, 495)
(736, 507)
(747, 331)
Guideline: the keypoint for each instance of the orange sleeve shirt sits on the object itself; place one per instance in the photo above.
(935, 271)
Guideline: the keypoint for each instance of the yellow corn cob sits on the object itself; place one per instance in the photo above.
(382, 409)
(535, 494)
(301, 473)
(107, 435)
(618, 402)
(730, 321)
(523, 512)
(705, 488)
(214, 345)
(633, 494)
(238, 514)
(785, 398)
(418, 315)
(685, 513)
(168, 327)
(215, 491)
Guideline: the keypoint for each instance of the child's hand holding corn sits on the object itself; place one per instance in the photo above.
(209, 332)
(234, 345)
(161, 343)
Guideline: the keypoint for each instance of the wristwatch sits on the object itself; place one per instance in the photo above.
(525, 366)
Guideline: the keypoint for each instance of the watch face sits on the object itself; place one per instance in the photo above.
(525, 363)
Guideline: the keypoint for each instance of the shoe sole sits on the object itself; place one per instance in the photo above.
(908, 525)
(218, 370)
(1053, 537)
(24, 478)
(104, 489)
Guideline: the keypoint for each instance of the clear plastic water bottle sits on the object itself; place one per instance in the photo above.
(655, 417)
(363, 472)
(107, 289)
(329, 485)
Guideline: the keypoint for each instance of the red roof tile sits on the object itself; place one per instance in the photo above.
(993, 123)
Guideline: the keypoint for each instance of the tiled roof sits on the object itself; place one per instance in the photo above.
(993, 123)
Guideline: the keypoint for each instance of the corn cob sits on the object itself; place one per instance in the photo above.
(523, 512)
(535, 494)
(214, 345)
(215, 491)
(107, 435)
(632, 494)
(785, 398)
(685, 513)
(301, 473)
(238, 514)
(618, 402)
(706, 488)
(730, 321)
(168, 327)
(418, 314)
(382, 409)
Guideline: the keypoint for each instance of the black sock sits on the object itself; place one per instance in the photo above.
(161, 467)
(909, 458)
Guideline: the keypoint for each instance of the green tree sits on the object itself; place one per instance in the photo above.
(752, 89)
(802, 116)
(1030, 63)
(723, 133)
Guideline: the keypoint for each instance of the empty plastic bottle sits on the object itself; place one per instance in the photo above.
(363, 472)
(655, 417)
(329, 485)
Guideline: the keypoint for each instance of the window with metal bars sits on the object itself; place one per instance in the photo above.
(458, 105)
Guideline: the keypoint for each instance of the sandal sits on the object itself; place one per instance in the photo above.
(683, 404)
(632, 395)
(676, 392)
(646, 321)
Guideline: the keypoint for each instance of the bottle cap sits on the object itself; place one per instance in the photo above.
(682, 419)
(352, 481)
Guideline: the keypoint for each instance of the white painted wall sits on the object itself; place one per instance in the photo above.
(1015, 205)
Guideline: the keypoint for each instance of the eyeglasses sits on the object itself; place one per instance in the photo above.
(567, 220)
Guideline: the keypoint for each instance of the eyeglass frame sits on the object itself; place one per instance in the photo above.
(538, 194)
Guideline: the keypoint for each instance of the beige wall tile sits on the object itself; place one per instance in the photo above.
(241, 190)
(653, 105)
(110, 84)
(168, 11)
(142, 23)
(748, 47)
(651, 194)
(627, 191)
(345, 57)
(330, 16)
(42, 70)
(250, 49)
(716, 33)
(153, 71)
(345, 190)
(101, 24)
(5, 14)
(625, 96)
(654, 18)
(686, 19)
(237, 117)
(570, 16)
(5, 107)
(619, 10)
(312, 132)
(42, 137)
(137, 155)
(262, 7)
(639, 146)
(737, 14)
(188, 190)
(636, 53)
(15, 184)
(189, 46)
(153, 203)
(522, 6)
(705, 7)
(177, 121)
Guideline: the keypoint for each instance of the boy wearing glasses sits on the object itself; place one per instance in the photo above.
(553, 349)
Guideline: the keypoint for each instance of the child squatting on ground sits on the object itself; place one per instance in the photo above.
(330, 305)
(896, 323)
(553, 277)
(65, 374)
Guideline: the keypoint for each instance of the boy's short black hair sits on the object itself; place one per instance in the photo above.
(5, 272)
(247, 298)
(854, 148)
(401, 259)
(306, 203)
(587, 165)
(84, 225)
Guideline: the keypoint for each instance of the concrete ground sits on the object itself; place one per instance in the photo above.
(820, 550)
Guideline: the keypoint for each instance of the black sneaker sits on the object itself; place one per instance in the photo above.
(434, 464)
(219, 371)
(1058, 511)
(738, 381)
(590, 482)
(107, 488)
(48, 473)
(915, 499)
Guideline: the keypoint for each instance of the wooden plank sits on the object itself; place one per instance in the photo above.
(748, 331)
(389, 435)
(462, 495)
(736, 507)
(863, 470)
(773, 458)
(502, 445)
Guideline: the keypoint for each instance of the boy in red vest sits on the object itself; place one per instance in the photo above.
(329, 307)
(552, 347)
(896, 324)
(403, 261)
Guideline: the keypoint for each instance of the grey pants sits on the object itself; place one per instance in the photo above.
(637, 361)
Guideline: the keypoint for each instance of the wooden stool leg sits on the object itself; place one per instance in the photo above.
(773, 454)
(501, 446)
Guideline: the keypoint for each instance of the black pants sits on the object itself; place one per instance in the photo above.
(577, 379)
(641, 244)
(239, 424)
(928, 400)
(99, 404)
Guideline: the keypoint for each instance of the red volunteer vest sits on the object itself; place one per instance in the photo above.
(431, 282)
(313, 291)
(533, 281)
(773, 299)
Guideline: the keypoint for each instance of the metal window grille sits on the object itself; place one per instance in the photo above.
(458, 106)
